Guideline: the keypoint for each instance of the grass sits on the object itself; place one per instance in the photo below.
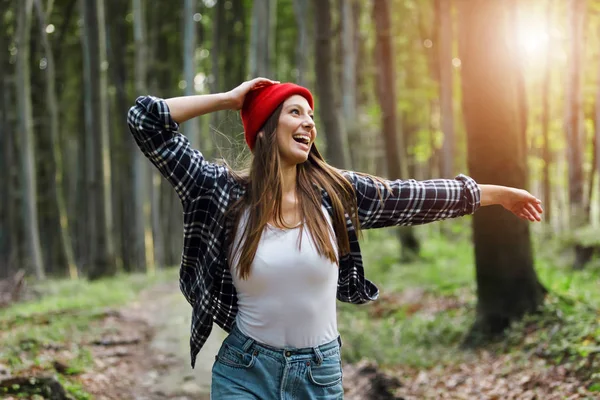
(399, 330)
(61, 321)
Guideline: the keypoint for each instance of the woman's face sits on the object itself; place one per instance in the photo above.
(296, 131)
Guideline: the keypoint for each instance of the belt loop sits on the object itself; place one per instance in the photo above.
(339, 339)
(318, 355)
(247, 344)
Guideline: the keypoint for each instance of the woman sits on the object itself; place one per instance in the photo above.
(266, 253)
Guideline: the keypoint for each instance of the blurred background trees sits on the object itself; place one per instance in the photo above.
(508, 92)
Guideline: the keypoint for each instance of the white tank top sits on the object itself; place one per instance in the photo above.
(289, 299)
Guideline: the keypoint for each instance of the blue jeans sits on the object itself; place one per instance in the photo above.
(245, 369)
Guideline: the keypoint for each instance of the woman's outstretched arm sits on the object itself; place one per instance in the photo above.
(382, 203)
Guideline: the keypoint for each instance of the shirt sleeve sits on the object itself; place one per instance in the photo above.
(411, 202)
(157, 135)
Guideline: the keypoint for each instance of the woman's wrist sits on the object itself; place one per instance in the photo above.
(491, 194)
(227, 101)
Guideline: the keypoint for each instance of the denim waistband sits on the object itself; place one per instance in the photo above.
(248, 344)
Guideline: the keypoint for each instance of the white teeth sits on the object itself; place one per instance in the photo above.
(304, 138)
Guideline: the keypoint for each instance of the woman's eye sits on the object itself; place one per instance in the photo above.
(312, 116)
(295, 111)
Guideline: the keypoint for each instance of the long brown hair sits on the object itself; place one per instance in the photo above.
(263, 197)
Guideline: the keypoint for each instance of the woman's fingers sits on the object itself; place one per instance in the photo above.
(261, 82)
(538, 206)
(533, 210)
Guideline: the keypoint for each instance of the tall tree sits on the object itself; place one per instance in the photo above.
(545, 120)
(597, 133)
(507, 285)
(52, 104)
(300, 12)
(336, 141)
(444, 7)
(386, 95)
(189, 64)
(8, 229)
(100, 261)
(141, 174)
(30, 212)
(574, 123)
(262, 38)
(348, 66)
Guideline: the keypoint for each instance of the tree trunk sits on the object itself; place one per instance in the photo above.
(30, 211)
(100, 210)
(446, 85)
(57, 188)
(574, 125)
(218, 142)
(191, 129)
(386, 95)
(507, 285)
(262, 38)
(141, 173)
(336, 142)
(348, 77)
(546, 153)
(7, 231)
(597, 141)
(300, 12)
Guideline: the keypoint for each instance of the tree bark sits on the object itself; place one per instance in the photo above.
(507, 285)
(101, 262)
(386, 95)
(262, 38)
(300, 12)
(141, 174)
(336, 142)
(26, 131)
(58, 187)
(546, 152)
(7, 230)
(574, 125)
(192, 130)
(446, 87)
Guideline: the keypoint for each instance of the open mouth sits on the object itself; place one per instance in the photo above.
(304, 139)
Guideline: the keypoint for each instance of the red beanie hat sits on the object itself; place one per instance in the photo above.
(260, 103)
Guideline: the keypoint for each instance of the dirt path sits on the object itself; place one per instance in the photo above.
(156, 363)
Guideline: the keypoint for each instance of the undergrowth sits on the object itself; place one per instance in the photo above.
(427, 307)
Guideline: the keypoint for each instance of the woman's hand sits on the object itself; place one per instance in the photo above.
(518, 201)
(237, 95)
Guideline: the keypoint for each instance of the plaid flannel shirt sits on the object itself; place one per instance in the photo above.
(206, 190)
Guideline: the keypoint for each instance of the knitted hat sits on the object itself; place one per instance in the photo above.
(260, 103)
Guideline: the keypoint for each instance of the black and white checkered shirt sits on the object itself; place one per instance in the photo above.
(206, 191)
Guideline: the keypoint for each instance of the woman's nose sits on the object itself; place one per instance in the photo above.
(308, 124)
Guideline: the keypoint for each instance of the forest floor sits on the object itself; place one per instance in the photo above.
(145, 356)
(157, 366)
(128, 337)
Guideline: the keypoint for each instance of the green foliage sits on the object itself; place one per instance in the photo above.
(427, 329)
(587, 236)
(63, 295)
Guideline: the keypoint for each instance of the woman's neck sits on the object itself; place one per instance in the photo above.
(289, 180)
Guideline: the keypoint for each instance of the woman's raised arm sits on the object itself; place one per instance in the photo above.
(154, 124)
(187, 107)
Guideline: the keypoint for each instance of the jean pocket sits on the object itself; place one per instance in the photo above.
(232, 357)
(326, 374)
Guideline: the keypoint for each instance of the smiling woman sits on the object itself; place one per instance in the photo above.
(269, 250)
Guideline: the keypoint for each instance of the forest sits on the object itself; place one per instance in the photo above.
(482, 307)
